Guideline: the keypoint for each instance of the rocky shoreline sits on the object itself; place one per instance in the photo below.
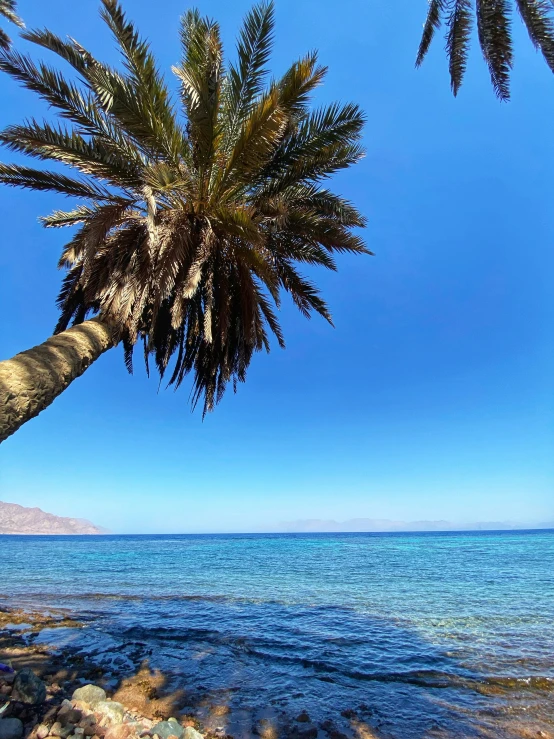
(71, 697)
(39, 697)
(48, 694)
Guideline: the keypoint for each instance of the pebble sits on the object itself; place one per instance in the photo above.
(69, 716)
(11, 728)
(119, 731)
(61, 731)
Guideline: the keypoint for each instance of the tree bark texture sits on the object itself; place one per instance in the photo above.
(30, 381)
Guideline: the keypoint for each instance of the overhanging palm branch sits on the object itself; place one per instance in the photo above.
(193, 219)
(8, 9)
(494, 28)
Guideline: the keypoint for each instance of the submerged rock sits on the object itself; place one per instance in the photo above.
(165, 729)
(28, 688)
(90, 694)
(11, 728)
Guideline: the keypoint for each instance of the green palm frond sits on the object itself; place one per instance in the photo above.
(72, 52)
(324, 142)
(246, 77)
(145, 79)
(187, 234)
(35, 179)
(60, 144)
(200, 76)
(297, 85)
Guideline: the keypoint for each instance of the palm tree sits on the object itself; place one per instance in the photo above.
(189, 229)
(8, 10)
(494, 28)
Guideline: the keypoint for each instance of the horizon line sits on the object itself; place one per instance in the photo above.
(303, 533)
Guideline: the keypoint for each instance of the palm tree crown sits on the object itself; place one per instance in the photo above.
(8, 9)
(495, 38)
(192, 221)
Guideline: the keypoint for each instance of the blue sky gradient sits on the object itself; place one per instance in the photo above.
(433, 396)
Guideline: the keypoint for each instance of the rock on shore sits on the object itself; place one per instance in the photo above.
(90, 714)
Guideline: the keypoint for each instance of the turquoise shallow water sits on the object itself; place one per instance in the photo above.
(416, 635)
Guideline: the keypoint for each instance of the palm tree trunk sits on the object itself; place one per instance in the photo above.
(30, 381)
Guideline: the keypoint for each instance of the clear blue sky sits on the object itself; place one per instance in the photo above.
(433, 396)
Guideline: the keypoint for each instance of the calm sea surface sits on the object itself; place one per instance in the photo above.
(411, 635)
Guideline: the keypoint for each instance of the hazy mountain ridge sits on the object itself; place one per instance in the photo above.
(16, 519)
(383, 524)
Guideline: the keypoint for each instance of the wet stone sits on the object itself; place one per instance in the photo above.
(298, 733)
(69, 716)
(11, 728)
(61, 731)
(28, 688)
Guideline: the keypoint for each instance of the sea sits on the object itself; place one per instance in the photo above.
(400, 635)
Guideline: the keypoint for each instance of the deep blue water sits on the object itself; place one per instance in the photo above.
(421, 635)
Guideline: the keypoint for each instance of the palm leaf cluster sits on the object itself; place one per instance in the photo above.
(193, 217)
(494, 28)
(8, 9)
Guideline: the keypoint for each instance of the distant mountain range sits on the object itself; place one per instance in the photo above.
(16, 519)
(384, 524)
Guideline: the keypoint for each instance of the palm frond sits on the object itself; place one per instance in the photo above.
(298, 83)
(8, 9)
(494, 28)
(430, 27)
(247, 76)
(537, 16)
(457, 41)
(72, 52)
(324, 142)
(35, 179)
(258, 137)
(47, 142)
(304, 293)
(146, 81)
(200, 76)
